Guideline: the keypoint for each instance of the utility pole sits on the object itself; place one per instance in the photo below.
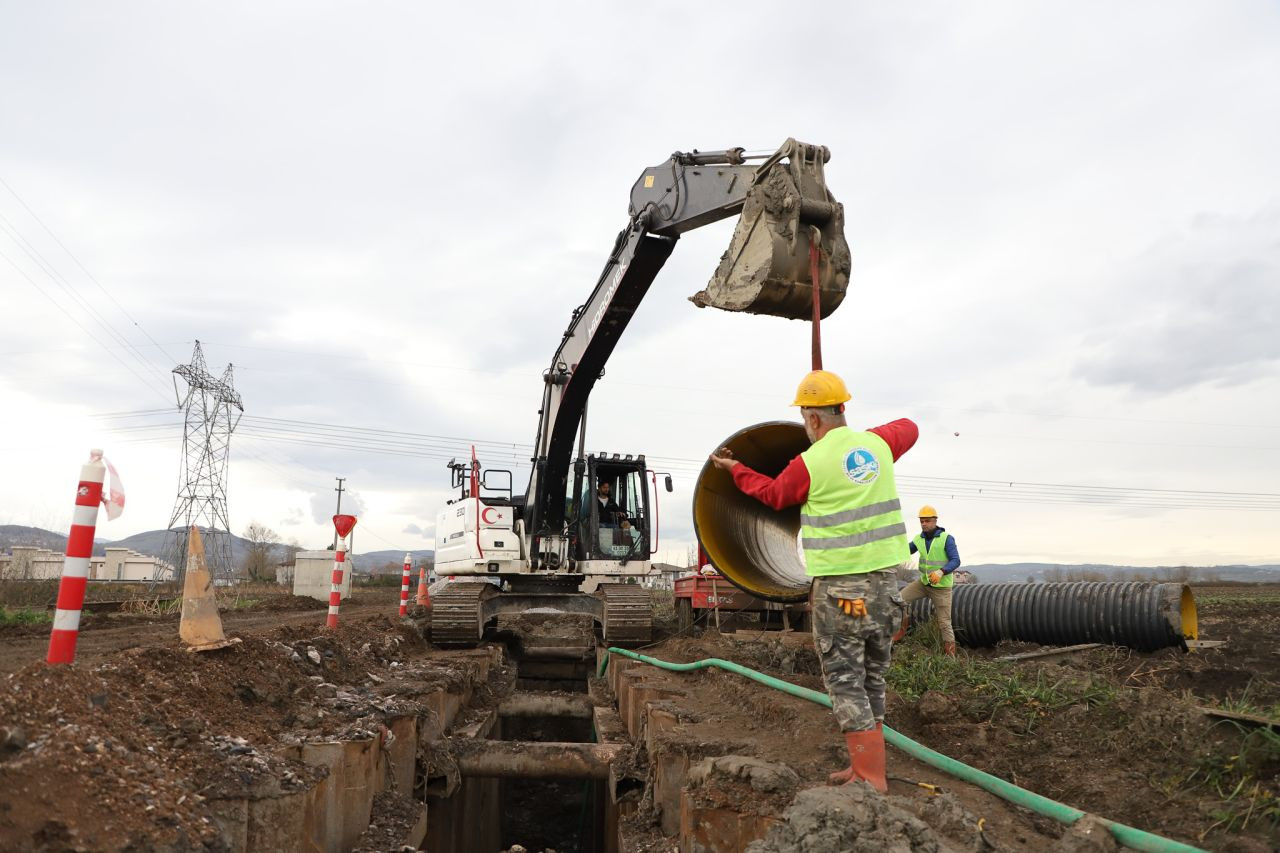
(338, 511)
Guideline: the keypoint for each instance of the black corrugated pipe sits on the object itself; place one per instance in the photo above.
(1144, 616)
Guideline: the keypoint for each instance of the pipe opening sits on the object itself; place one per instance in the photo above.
(1190, 622)
(756, 548)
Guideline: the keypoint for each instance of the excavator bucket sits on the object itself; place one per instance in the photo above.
(201, 626)
(766, 269)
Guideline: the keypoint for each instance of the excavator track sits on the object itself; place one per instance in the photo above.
(455, 612)
(628, 613)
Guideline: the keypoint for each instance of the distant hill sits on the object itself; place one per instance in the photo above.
(1041, 572)
(17, 534)
(375, 560)
(153, 544)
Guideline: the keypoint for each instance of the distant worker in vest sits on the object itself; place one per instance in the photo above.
(854, 539)
(939, 559)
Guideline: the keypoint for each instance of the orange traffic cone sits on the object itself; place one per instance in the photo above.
(200, 627)
(424, 597)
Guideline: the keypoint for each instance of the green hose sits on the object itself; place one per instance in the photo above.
(1129, 836)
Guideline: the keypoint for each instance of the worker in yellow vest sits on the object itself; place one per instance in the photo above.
(939, 558)
(854, 539)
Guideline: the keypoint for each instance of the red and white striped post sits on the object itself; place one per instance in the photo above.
(343, 524)
(404, 587)
(75, 569)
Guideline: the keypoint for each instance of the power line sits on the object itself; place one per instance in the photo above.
(757, 394)
(49, 350)
(84, 269)
(434, 446)
(57, 278)
(82, 327)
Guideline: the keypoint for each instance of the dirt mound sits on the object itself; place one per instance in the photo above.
(150, 737)
(774, 651)
(745, 784)
(531, 626)
(846, 819)
(289, 603)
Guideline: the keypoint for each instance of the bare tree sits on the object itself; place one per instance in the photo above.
(262, 539)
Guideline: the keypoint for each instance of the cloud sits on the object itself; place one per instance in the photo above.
(1204, 307)
(323, 505)
(1026, 244)
(425, 531)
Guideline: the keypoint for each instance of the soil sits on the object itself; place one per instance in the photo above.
(394, 815)
(103, 635)
(152, 736)
(1135, 748)
(847, 819)
(149, 736)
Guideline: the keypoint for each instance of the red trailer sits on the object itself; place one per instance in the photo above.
(709, 595)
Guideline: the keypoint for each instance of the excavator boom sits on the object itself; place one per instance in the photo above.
(785, 205)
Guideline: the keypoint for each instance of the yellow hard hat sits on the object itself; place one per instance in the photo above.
(927, 511)
(821, 388)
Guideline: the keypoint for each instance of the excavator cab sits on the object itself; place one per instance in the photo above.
(611, 509)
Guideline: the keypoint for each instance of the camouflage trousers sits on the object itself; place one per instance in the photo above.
(854, 649)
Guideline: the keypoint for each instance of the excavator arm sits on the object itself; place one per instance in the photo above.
(785, 206)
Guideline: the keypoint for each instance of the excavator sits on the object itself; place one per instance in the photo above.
(583, 526)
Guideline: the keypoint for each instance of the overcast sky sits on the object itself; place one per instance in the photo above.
(1064, 218)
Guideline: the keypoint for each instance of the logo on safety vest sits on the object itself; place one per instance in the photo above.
(861, 466)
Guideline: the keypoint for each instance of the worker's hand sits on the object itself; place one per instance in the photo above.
(626, 525)
(935, 577)
(723, 459)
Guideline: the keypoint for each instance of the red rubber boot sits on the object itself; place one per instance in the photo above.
(866, 760)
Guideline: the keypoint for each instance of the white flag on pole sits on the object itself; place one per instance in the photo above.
(113, 499)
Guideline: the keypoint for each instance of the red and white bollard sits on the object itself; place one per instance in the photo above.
(404, 587)
(343, 524)
(75, 569)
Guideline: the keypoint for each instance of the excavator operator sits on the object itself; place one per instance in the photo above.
(854, 538)
(611, 515)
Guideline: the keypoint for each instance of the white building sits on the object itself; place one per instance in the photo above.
(313, 574)
(118, 564)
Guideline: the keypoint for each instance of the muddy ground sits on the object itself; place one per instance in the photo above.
(1117, 733)
(103, 635)
(132, 747)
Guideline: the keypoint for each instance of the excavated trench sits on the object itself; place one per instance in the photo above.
(561, 814)
(527, 766)
(529, 772)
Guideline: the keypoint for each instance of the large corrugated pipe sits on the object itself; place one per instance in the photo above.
(1144, 616)
(752, 545)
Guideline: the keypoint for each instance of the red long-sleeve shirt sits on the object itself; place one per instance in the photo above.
(791, 487)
